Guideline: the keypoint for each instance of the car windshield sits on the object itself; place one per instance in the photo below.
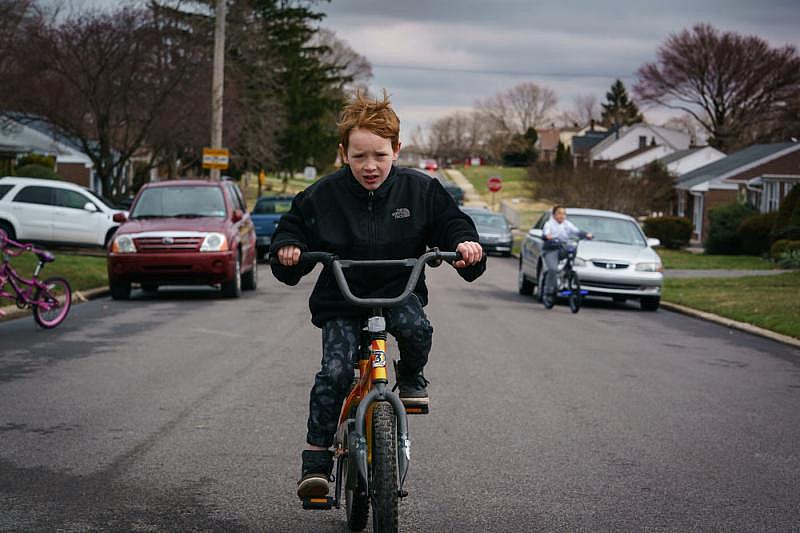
(272, 206)
(489, 221)
(606, 229)
(159, 202)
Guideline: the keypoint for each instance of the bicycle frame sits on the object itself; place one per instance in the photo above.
(23, 297)
(353, 434)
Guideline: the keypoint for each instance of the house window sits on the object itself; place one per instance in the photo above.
(787, 186)
(642, 141)
(681, 204)
(771, 196)
(697, 215)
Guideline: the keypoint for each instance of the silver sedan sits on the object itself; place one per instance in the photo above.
(619, 262)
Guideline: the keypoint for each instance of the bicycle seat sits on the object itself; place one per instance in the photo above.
(45, 256)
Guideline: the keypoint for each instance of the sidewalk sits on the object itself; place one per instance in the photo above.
(719, 273)
(471, 196)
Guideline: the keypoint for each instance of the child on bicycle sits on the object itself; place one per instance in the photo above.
(368, 209)
(557, 230)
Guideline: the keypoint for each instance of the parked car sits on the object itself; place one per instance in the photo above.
(55, 212)
(265, 215)
(618, 262)
(187, 232)
(429, 164)
(455, 191)
(494, 231)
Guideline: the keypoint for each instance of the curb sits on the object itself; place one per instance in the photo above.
(730, 323)
(78, 297)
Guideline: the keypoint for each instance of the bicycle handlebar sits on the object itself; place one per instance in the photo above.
(433, 258)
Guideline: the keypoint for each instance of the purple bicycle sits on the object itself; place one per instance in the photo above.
(49, 300)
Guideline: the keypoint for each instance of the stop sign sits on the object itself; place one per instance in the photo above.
(495, 183)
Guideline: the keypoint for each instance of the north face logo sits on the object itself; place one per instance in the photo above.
(401, 212)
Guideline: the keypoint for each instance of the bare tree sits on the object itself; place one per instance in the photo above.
(728, 82)
(604, 187)
(336, 52)
(688, 124)
(102, 79)
(524, 106)
(457, 136)
(585, 108)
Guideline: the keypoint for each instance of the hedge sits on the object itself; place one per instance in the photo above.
(673, 232)
(754, 233)
(724, 221)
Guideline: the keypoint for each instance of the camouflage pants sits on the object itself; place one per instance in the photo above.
(340, 341)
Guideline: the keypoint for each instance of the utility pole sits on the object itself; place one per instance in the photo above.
(217, 83)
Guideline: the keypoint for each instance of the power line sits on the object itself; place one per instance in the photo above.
(529, 74)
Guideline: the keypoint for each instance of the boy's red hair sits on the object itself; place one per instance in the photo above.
(376, 116)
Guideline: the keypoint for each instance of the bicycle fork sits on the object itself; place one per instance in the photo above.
(379, 392)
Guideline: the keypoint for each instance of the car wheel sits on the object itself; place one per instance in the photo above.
(540, 285)
(650, 303)
(250, 278)
(120, 291)
(524, 285)
(8, 229)
(233, 288)
(109, 236)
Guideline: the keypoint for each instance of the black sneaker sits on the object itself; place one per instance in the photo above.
(316, 472)
(412, 387)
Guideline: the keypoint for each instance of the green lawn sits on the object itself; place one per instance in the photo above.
(770, 302)
(679, 259)
(80, 271)
(514, 180)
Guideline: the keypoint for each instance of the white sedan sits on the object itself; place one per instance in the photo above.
(618, 262)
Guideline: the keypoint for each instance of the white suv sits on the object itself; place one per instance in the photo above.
(55, 212)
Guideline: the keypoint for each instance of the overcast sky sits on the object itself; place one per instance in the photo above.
(439, 56)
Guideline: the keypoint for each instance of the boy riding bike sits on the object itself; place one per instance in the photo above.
(369, 209)
(556, 232)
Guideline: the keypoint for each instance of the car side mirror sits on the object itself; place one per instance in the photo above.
(536, 232)
(512, 226)
(119, 217)
(89, 206)
(237, 215)
(653, 242)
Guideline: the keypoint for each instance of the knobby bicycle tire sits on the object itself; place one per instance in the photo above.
(39, 315)
(385, 512)
(574, 286)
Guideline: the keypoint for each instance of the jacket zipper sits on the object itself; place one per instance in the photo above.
(371, 225)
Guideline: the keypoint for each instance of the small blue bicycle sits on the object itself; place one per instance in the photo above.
(568, 285)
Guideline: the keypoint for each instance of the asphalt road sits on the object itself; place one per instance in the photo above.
(186, 411)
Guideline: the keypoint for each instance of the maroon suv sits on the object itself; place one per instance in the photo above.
(184, 233)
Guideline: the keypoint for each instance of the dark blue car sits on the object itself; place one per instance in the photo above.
(265, 216)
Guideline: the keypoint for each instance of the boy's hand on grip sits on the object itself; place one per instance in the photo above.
(289, 255)
(471, 253)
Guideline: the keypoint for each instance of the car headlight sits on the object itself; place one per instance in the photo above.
(214, 242)
(123, 245)
(578, 262)
(649, 267)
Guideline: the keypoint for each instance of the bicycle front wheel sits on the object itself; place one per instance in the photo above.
(574, 286)
(52, 303)
(385, 513)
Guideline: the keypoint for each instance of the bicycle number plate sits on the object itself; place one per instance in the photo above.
(378, 358)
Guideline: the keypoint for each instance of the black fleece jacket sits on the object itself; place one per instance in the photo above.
(407, 213)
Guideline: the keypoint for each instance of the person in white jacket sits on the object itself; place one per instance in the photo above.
(556, 232)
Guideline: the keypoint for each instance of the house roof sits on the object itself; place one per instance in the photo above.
(584, 143)
(629, 155)
(735, 162)
(680, 154)
(673, 138)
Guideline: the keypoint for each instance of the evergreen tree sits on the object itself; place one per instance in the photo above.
(561, 155)
(619, 109)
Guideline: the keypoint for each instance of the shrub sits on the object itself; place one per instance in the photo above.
(787, 221)
(36, 171)
(37, 159)
(673, 232)
(790, 259)
(754, 233)
(724, 221)
(783, 246)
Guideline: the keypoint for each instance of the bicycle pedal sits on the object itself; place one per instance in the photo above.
(417, 409)
(320, 504)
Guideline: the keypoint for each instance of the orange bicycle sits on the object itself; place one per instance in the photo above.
(371, 446)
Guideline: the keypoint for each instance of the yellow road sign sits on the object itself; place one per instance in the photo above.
(216, 158)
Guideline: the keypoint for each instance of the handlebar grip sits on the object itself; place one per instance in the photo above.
(307, 257)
